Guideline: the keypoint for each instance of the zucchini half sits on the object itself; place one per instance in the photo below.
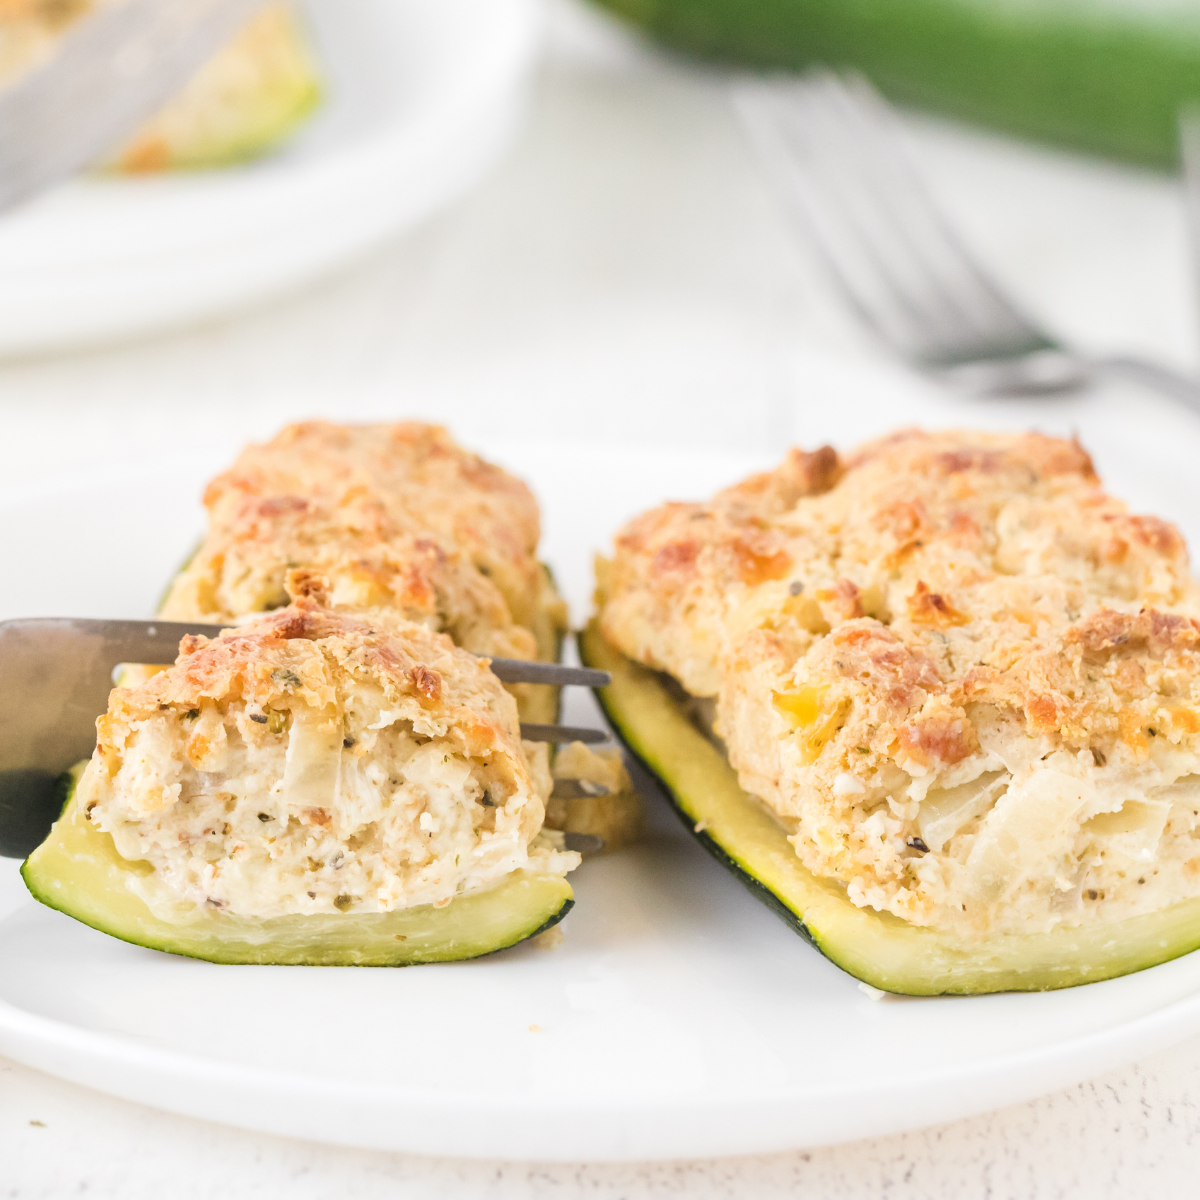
(78, 871)
(877, 948)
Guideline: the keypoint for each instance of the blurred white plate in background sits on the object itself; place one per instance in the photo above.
(679, 1018)
(421, 98)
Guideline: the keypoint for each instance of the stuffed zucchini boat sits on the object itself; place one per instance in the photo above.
(249, 97)
(309, 788)
(937, 702)
(339, 778)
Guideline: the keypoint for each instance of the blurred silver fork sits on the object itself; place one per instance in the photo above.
(833, 148)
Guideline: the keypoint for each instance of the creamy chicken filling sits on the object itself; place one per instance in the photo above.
(267, 814)
(1023, 836)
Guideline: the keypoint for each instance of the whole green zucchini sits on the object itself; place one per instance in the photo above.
(1106, 76)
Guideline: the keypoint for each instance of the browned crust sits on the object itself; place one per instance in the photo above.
(800, 474)
(370, 517)
(1111, 679)
(935, 534)
(307, 653)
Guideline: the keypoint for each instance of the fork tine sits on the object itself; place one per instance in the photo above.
(561, 734)
(777, 130)
(520, 670)
(869, 192)
(963, 278)
(836, 177)
(832, 147)
(850, 168)
(901, 233)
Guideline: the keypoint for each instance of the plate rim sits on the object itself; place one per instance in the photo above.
(945, 1094)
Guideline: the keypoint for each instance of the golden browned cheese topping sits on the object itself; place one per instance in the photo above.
(296, 657)
(371, 517)
(336, 750)
(954, 634)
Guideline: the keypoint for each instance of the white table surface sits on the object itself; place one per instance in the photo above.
(624, 276)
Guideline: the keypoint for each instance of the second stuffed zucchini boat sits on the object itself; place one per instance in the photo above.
(938, 702)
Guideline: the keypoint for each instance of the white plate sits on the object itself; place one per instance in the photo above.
(679, 1018)
(422, 96)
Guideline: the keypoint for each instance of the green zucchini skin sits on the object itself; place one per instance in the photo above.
(1102, 76)
(877, 948)
(78, 871)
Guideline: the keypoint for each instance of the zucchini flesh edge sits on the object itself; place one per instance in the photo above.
(78, 871)
(878, 948)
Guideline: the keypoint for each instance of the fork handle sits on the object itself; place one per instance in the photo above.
(1154, 376)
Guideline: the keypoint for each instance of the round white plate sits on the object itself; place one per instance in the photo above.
(678, 1018)
(421, 98)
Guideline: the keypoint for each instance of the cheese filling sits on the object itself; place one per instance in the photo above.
(1020, 838)
(265, 814)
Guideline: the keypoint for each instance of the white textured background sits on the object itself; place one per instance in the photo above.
(624, 276)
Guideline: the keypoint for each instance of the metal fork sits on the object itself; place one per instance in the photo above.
(833, 148)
